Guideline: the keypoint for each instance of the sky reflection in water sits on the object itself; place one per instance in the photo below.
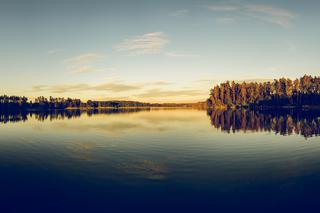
(75, 160)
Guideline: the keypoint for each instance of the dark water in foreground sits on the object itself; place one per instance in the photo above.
(160, 161)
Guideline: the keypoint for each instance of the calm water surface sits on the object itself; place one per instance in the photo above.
(159, 160)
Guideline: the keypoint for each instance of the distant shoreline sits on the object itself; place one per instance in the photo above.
(15, 103)
(99, 108)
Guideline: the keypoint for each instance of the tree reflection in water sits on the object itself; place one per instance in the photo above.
(18, 116)
(283, 122)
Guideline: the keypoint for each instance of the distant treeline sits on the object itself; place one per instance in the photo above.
(16, 103)
(281, 92)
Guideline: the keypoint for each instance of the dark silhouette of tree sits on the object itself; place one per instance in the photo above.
(16, 103)
(281, 92)
(13, 103)
(283, 122)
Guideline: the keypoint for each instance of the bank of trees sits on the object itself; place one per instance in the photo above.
(17, 103)
(13, 102)
(280, 92)
(55, 103)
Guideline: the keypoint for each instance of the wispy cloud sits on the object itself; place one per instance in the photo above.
(85, 58)
(223, 8)
(150, 43)
(179, 55)
(267, 13)
(161, 83)
(117, 87)
(85, 69)
(90, 69)
(55, 51)
(83, 63)
(272, 14)
(225, 20)
(160, 93)
(180, 13)
(67, 88)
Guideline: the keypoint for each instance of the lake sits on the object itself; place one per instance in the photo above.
(159, 160)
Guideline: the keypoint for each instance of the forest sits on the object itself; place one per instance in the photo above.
(18, 103)
(282, 92)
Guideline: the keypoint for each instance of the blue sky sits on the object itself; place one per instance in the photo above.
(158, 51)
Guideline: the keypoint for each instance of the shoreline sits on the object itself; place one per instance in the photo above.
(100, 108)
